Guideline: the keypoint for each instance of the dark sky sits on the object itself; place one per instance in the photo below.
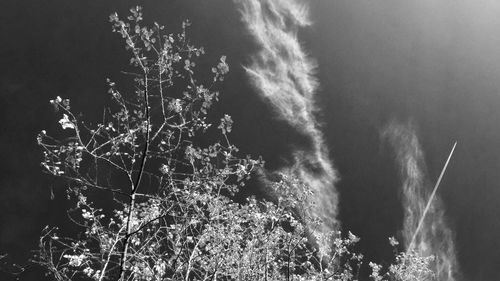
(436, 63)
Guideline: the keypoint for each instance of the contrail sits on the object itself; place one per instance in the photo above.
(429, 202)
(284, 75)
(425, 228)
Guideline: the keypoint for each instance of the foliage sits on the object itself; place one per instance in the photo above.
(169, 211)
(409, 266)
(153, 201)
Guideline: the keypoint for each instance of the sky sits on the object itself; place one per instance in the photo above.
(432, 64)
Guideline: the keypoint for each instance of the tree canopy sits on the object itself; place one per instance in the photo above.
(154, 185)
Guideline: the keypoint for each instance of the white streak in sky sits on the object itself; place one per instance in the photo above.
(283, 74)
(434, 237)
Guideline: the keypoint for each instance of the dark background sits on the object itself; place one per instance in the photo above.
(436, 63)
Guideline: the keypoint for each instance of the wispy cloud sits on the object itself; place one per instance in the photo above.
(434, 236)
(284, 75)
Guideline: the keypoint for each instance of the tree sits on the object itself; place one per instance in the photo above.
(170, 211)
(153, 191)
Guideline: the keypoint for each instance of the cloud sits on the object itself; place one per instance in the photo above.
(434, 237)
(284, 75)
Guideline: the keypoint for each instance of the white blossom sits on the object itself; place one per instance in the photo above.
(66, 123)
